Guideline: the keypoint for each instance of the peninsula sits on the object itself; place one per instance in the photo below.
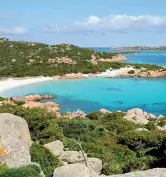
(138, 48)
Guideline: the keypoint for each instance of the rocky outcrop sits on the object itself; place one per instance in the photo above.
(143, 73)
(156, 172)
(15, 141)
(141, 129)
(116, 58)
(75, 114)
(56, 147)
(74, 170)
(94, 164)
(73, 76)
(33, 101)
(160, 117)
(105, 111)
(80, 170)
(49, 106)
(37, 97)
(63, 60)
(72, 157)
(139, 116)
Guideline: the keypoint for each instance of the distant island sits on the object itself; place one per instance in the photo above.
(138, 48)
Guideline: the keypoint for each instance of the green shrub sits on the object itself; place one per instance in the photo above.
(29, 171)
(40, 122)
(151, 125)
(137, 140)
(19, 103)
(82, 129)
(3, 166)
(45, 158)
(94, 115)
(131, 72)
(119, 126)
(161, 122)
(2, 99)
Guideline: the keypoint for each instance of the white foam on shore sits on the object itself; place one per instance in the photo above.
(14, 82)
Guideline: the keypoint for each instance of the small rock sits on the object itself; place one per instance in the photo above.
(72, 156)
(94, 164)
(75, 114)
(137, 116)
(56, 147)
(152, 116)
(141, 129)
(160, 117)
(105, 111)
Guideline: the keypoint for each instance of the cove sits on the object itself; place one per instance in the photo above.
(95, 93)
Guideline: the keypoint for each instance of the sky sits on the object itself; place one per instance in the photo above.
(86, 23)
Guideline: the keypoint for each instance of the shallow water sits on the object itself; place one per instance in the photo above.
(96, 93)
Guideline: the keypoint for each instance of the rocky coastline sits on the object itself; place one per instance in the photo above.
(16, 139)
(135, 115)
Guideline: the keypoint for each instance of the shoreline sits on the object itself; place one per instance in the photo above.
(9, 83)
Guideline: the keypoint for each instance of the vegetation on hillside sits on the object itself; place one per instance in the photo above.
(19, 59)
(106, 136)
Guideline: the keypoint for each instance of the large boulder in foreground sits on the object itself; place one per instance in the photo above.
(15, 141)
(74, 170)
(139, 116)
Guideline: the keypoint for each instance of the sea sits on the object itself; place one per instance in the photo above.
(113, 94)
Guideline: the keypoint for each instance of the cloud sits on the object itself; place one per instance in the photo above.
(51, 28)
(14, 30)
(4, 16)
(112, 23)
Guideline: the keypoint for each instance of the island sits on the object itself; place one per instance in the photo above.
(139, 48)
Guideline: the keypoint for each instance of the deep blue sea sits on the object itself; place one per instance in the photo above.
(114, 94)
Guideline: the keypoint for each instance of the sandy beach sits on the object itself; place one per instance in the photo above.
(10, 83)
(115, 72)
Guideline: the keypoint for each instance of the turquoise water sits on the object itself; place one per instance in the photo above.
(95, 93)
(143, 57)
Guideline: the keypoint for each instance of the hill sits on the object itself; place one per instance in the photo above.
(20, 58)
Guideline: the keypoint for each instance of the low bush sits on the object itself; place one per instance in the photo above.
(3, 166)
(19, 103)
(131, 72)
(2, 99)
(40, 123)
(45, 158)
(29, 171)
